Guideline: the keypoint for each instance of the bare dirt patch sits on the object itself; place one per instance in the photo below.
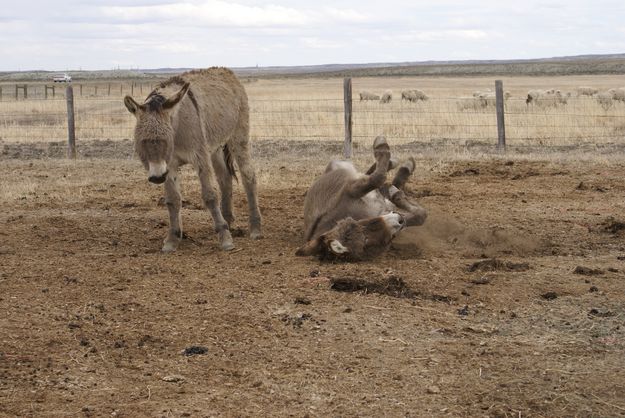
(96, 320)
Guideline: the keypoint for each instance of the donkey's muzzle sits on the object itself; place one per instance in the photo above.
(158, 179)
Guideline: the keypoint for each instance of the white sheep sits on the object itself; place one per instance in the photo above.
(604, 98)
(413, 95)
(365, 95)
(546, 98)
(586, 91)
(618, 94)
(387, 97)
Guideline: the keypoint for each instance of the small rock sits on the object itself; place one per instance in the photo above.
(314, 273)
(301, 301)
(593, 289)
(433, 389)
(464, 311)
(587, 271)
(173, 379)
(481, 280)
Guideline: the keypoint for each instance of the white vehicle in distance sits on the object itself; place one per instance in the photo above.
(62, 78)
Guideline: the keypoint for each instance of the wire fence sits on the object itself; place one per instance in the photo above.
(449, 120)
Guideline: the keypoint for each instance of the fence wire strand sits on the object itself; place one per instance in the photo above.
(460, 119)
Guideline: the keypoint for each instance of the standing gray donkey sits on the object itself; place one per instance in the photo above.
(200, 118)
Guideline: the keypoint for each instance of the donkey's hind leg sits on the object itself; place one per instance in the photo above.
(416, 214)
(366, 183)
(403, 173)
(224, 179)
(241, 151)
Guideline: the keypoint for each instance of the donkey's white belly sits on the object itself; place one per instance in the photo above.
(377, 204)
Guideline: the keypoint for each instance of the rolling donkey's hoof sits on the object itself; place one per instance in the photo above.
(410, 164)
(379, 142)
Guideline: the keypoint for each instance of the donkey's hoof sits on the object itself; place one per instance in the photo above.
(379, 141)
(410, 164)
(256, 235)
(227, 246)
(393, 163)
(169, 247)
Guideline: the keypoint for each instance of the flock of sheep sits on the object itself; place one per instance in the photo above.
(413, 95)
(483, 99)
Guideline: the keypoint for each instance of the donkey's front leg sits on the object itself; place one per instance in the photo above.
(211, 200)
(173, 200)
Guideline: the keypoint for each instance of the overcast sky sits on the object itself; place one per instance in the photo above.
(90, 35)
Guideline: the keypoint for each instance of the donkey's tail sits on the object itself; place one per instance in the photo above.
(230, 162)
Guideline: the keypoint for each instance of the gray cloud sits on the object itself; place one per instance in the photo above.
(93, 34)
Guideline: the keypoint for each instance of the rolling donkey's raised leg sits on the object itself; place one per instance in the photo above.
(416, 214)
(403, 173)
(376, 179)
(173, 200)
(210, 198)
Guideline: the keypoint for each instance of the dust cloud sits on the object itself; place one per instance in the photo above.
(442, 234)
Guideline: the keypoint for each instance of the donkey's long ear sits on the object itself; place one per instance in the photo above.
(131, 105)
(173, 100)
(312, 247)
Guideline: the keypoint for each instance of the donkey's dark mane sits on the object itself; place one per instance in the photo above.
(155, 99)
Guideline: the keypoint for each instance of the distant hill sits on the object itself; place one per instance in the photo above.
(570, 65)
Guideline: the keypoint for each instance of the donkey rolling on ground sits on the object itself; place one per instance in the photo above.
(200, 118)
(354, 216)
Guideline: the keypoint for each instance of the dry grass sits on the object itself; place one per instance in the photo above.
(312, 109)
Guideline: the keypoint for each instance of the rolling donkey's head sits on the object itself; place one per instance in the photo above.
(352, 240)
(154, 134)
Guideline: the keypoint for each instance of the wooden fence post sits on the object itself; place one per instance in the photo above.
(109, 92)
(24, 89)
(501, 126)
(71, 129)
(51, 88)
(347, 101)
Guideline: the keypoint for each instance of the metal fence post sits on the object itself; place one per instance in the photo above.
(71, 129)
(347, 100)
(501, 126)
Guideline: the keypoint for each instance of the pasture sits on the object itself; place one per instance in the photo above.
(509, 301)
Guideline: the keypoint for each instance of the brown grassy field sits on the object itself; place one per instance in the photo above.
(312, 109)
(508, 302)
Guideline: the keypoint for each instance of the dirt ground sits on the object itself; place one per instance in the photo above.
(509, 301)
